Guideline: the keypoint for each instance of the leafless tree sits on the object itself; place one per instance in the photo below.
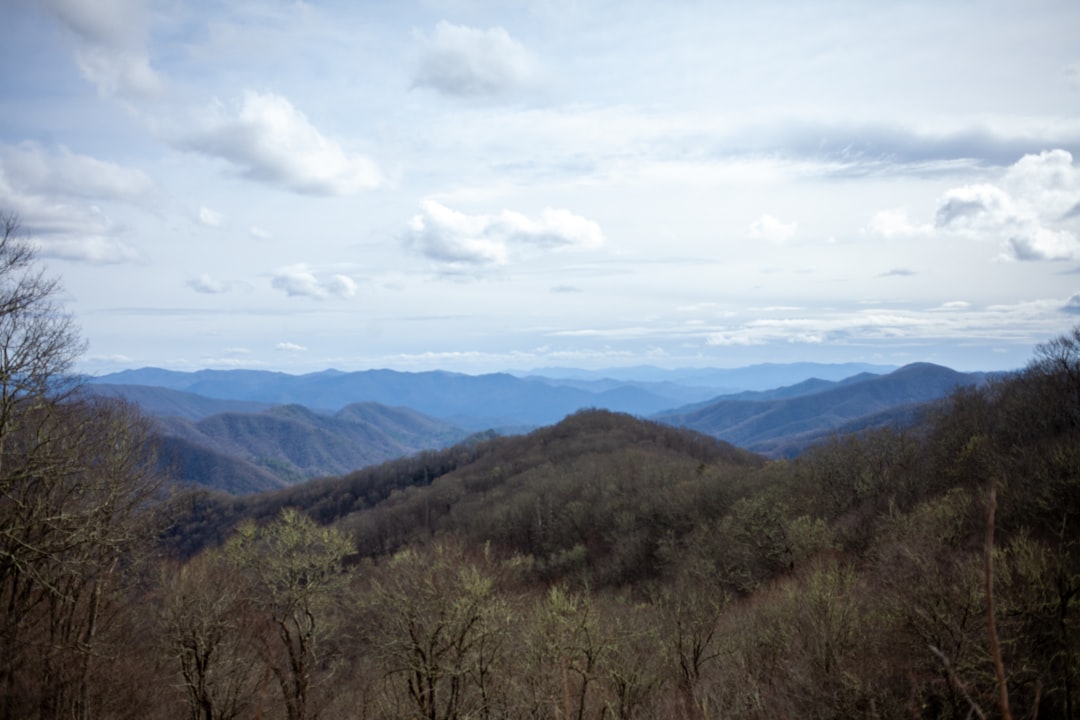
(75, 476)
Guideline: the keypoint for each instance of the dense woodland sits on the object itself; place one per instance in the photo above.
(602, 567)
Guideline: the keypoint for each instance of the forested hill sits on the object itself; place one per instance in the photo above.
(485, 478)
(244, 446)
(288, 444)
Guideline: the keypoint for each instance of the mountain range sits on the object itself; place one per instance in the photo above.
(246, 431)
(479, 402)
(784, 421)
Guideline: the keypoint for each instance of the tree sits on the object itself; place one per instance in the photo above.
(1059, 355)
(75, 478)
(442, 632)
(208, 628)
(691, 602)
(629, 671)
(569, 649)
(294, 569)
(38, 342)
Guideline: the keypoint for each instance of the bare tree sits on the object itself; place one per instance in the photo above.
(75, 477)
(442, 632)
(294, 570)
(210, 632)
(38, 341)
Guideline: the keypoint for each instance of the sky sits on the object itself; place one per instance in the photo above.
(479, 186)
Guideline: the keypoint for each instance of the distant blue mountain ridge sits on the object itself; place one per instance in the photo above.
(497, 400)
(785, 421)
(247, 430)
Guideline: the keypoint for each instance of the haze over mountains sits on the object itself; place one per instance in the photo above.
(475, 401)
(786, 420)
(250, 430)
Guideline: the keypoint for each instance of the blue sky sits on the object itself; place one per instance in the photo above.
(477, 186)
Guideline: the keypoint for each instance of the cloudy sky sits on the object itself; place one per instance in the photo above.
(480, 185)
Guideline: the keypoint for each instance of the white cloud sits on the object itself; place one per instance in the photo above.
(450, 236)
(893, 223)
(946, 321)
(259, 233)
(95, 249)
(755, 336)
(772, 230)
(31, 169)
(268, 140)
(1039, 243)
(210, 218)
(290, 347)
(460, 60)
(1072, 305)
(210, 361)
(969, 207)
(67, 231)
(41, 216)
(1048, 182)
(818, 329)
(734, 338)
(1028, 213)
(206, 284)
(110, 44)
(300, 281)
(58, 198)
(458, 238)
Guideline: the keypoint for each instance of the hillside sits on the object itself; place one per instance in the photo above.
(245, 452)
(563, 490)
(188, 463)
(485, 478)
(784, 421)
